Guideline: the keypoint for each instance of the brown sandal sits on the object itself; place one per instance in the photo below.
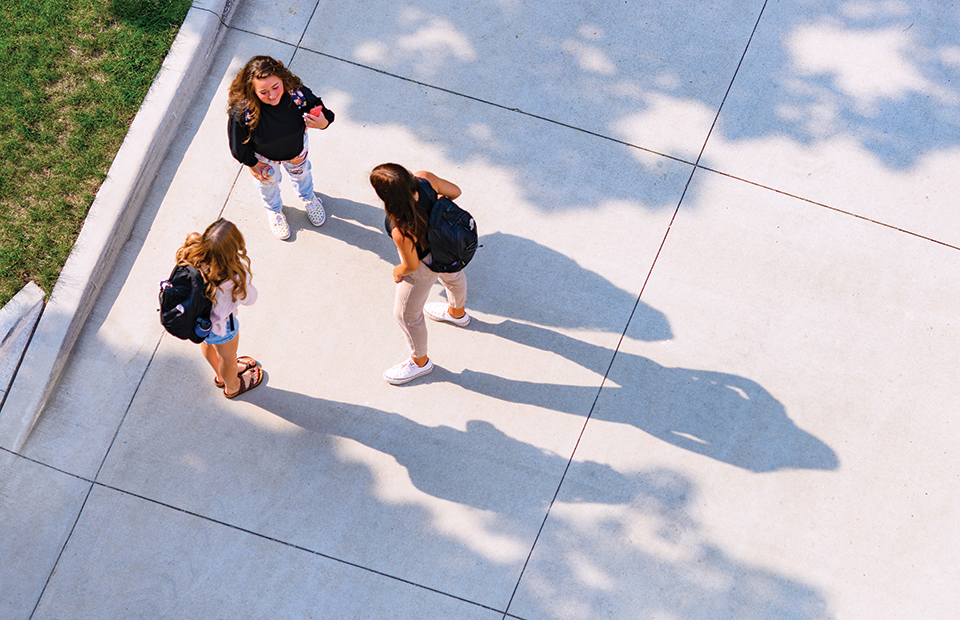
(248, 361)
(244, 387)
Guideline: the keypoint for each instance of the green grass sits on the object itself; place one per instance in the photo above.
(72, 75)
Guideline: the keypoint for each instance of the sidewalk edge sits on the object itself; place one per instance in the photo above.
(18, 319)
(111, 217)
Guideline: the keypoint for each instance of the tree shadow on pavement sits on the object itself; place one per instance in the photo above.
(880, 73)
(876, 72)
(671, 567)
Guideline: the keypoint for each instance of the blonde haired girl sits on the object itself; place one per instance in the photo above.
(220, 254)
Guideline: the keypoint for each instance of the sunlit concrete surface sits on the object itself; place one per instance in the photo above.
(712, 366)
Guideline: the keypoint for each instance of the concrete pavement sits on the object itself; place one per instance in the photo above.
(710, 373)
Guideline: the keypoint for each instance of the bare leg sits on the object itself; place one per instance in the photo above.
(223, 359)
(213, 358)
(210, 354)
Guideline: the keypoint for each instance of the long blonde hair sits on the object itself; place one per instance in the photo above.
(242, 96)
(220, 254)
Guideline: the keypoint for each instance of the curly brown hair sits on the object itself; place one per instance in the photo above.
(220, 254)
(243, 96)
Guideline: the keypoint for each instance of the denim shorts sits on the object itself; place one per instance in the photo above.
(213, 339)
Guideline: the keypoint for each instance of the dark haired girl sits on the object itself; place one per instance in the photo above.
(406, 200)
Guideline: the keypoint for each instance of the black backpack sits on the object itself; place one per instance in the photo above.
(184, 305)
(452, 235)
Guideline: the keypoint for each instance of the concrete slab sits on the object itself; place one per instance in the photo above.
(544, 196)
(770, 441)
(155, 562)
(18, 318)
(364, 467)
(38, 508)
(281, 20)
(789, 448)
(595, 65)
(852, 105)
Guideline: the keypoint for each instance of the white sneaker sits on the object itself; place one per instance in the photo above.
(405, 371)
(315, 211)
(439, 311)
(278, 225)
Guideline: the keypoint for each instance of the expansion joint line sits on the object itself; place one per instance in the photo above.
(497, 105)
(96, 479)
(93, 482)
(215, 14)
(632, 313)
(305, 28)
(96, 483)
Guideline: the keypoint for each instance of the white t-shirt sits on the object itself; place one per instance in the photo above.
(224, 306)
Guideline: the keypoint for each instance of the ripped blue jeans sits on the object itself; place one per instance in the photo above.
(299, 170)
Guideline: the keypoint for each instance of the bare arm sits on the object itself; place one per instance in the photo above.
(408, 255)
(441, 186)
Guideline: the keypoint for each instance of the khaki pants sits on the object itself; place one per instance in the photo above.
(412, 293)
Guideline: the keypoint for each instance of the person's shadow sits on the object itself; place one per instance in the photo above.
(722, 416)
(719, 415)
(440, 471)
(358, 224)
(503, 277)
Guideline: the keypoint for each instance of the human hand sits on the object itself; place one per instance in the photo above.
(262, 171)
(315, 118)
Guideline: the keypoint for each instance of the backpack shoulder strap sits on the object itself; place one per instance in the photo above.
(424, 187)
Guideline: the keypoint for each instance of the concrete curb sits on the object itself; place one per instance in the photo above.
(111, 217)
(18, 318)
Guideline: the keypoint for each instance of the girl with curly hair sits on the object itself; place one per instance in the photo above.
(220, 254)
(407, 199)
(269, 112)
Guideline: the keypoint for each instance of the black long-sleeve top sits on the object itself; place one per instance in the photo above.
(278, 135)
